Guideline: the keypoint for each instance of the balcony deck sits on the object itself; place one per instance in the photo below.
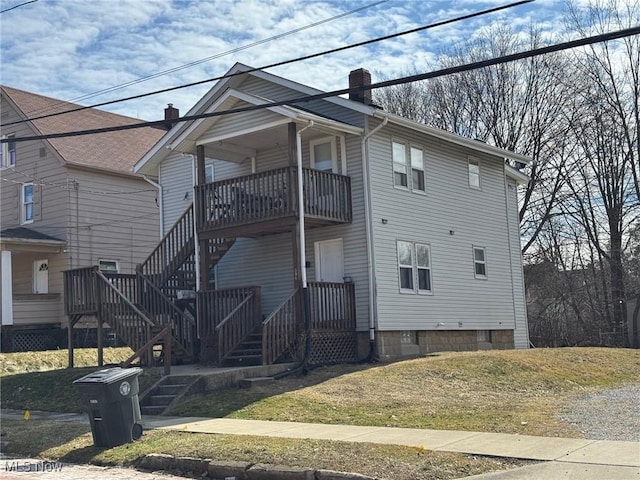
(267, 202)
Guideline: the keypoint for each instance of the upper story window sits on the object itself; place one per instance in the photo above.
(8, 151)
(324, 154)
(408, 167)
(26, 201)
(480, 262)
(414, 267)
(474, 173)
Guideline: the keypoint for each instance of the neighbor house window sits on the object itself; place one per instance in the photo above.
(27, 202)
(480, 262)
(474, 173)
(414, 267)
(110, 266)
(399, 164)
(417, 170)
(8, 151)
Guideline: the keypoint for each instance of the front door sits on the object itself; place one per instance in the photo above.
(41, 276)
(329, 261)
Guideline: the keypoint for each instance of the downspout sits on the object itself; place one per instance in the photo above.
(160, 202)
(368, 215)
(302, 242)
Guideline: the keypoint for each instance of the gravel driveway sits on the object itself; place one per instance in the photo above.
(609, 415)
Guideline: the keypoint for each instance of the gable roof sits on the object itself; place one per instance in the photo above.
(113, 151)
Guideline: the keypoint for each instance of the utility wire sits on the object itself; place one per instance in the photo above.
(388, 83)
(16, 6)
(285, 62)
(213, 57)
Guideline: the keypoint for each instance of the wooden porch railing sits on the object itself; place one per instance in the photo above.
(235, 327)
(281, 330)
(332, 306)
(81, 291)
(172, 252)
(131, 324)
(272, 195)
(215, 305)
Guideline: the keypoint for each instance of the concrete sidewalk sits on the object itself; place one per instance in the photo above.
(566, 458)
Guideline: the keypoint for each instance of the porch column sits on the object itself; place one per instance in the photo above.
(202, 256)
(7, 287)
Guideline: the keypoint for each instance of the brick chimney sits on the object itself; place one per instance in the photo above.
(170, 113)
(357, 80)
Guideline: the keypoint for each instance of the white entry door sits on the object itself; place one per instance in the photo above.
(41, 276)
(329, 261)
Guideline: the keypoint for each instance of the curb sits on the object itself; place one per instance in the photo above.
(219, 470)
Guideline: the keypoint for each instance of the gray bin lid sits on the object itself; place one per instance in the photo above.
(109, 375)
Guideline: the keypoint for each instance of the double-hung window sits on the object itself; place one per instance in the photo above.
(26, 201)
(474, 173)
(399, 152)
(408, 167)
(414, 267)
(480, 262)
(8, 151)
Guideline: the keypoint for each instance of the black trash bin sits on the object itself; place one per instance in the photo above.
(111, 398)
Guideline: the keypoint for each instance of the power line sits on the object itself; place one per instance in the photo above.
(16, 6)
(279, 64)
(388, 83)
(213, 57)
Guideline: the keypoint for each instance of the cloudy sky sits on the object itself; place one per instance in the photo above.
(69, 49)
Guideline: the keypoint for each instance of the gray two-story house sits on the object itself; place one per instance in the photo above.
(298, 225)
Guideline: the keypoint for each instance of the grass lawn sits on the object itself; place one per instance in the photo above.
(72, 443)
(506, 391)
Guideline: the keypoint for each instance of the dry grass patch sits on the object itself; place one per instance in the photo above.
(497, 391)
(73, 443)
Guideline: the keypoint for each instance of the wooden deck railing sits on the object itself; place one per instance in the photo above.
(172, 251)
(332, 306)
(215, 305)
(272, 195)
(281, 330)
(81, 291)
(240, 322)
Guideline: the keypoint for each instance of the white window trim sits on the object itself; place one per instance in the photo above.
(424, 169)
(484, 262)
(407, 172)
(334, 151)
(7, 161)
(474, 161)
(414, 269)
(23, 204)
(208, 168)
(108, 260)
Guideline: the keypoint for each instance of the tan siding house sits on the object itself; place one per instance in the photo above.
(66, 203)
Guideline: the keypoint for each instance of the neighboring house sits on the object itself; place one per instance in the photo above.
(66, 203)
(410, 234)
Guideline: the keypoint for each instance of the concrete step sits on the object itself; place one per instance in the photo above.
(255, 381)
(160, 400)
(170, 389)
(152, 410)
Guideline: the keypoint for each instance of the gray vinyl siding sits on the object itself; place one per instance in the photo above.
(229, 124)
(176, 179)
(258, 87)
(477, 217)
(113, 218)
(521, 333)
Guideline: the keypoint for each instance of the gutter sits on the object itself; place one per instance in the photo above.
(366, 182)
(160, 202)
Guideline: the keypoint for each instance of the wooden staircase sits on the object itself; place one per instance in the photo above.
(248, 352)
(164, 393)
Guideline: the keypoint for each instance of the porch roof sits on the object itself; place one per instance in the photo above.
(26, 237)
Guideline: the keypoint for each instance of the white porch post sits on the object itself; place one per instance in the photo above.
(7, 288)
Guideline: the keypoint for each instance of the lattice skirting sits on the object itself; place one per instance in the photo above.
(36, 340)
(333, 347)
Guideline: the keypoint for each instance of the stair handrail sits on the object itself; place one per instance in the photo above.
(165, 335)
(165, 298)
(125, 299)
(225, 344)
(273, 344)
